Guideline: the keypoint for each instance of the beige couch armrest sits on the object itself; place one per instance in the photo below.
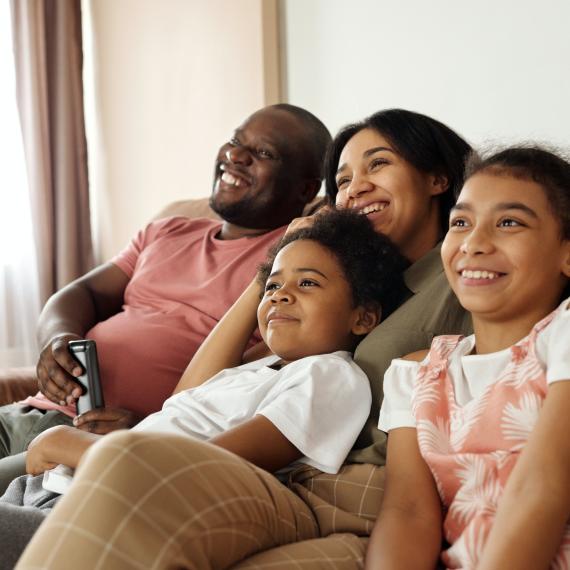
(17, 384)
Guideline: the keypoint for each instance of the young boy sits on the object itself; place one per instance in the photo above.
(325, 288)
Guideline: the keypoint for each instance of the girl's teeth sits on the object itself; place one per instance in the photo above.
(479, 274)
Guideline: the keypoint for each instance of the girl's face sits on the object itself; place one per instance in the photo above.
(503, 255)
(307, 307)
(399, 199)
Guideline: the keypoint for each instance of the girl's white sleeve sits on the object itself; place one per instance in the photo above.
(554, 348)
(396, 410)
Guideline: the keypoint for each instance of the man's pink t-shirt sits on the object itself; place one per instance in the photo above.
(182, 281)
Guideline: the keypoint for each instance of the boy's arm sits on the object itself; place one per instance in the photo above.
(407, 533)
(225, 345)
(535, 505)
(60, 444)
(260, 442)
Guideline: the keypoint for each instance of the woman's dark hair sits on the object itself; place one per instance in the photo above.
(371, 263)
(547, 167)
(427, 144)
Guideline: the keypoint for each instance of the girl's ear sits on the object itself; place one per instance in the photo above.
(366, 319)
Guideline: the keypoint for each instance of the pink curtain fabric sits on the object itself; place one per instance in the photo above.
(49, 60)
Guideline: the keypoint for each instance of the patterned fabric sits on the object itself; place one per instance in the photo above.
(157, 501)
(472, 449)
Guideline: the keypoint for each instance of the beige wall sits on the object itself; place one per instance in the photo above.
(166, 82)
(490, 69)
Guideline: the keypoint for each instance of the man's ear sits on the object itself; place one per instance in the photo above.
(366, 319)
(439, 184)
(310, 189)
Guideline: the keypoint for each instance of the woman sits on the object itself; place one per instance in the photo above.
(402, 170)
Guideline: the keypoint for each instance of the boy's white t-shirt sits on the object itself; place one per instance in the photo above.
(472, 373)
(319, 403)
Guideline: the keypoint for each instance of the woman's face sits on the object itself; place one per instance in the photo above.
(399, 199)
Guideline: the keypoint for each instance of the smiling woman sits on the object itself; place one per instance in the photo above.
(19, 297)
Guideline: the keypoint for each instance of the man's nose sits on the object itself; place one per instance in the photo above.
(238, 155)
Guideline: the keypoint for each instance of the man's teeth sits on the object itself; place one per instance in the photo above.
(373, 208)
(230, 179)
(479, 274)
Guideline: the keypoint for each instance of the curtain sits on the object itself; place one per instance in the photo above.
(49, 59)
(19, 296)
(45, 233)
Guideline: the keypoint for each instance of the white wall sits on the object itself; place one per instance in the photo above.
(491, 69)
(166, 82)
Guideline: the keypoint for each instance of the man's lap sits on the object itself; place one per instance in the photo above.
(19, 425)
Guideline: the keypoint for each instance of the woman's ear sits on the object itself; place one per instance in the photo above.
(565, 269)
(439, 184)
(366, 319)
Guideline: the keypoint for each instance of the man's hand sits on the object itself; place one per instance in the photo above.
(56, 370)
(105, 420)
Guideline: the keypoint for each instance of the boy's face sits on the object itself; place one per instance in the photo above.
(307, 307)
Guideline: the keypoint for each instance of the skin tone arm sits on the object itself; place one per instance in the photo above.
(535, 505)
(68, 315)
(256, 440)
(225, 345)
(410, 511)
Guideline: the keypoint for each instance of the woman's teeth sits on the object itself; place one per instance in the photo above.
(231, 180)
(468, 274)
(373, 208)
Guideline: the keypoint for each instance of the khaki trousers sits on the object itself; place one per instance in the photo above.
(155, 501)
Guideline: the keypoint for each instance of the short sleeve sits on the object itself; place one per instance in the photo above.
(127, 259)
(556, 346)
(321, 408)
(396, 410)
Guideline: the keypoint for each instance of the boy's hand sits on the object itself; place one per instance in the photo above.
(56, 370)
(306, 221)
(44, 450)
(105, 420)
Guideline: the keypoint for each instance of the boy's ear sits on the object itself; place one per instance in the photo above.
(366, 319)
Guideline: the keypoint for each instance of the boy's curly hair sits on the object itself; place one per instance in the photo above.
(371, 263)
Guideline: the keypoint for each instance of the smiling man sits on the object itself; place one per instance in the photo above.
(150, 307)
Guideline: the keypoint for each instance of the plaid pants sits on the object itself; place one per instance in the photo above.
(158, 501)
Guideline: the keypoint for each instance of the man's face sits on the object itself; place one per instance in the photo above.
(258, 181)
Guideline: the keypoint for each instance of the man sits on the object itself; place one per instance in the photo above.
(150, 308)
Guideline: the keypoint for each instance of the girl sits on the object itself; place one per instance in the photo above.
(324, 289)
(478, 429)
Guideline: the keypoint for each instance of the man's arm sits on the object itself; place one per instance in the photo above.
(225, 345)
(408, 531)
(68, 315)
